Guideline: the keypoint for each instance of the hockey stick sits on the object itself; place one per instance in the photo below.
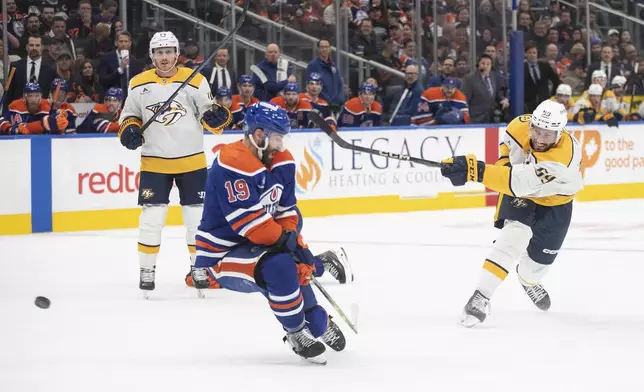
(12, 71)
(402, 98)
(262, 78)
(201, 66)
(352, 324)
(316, 119)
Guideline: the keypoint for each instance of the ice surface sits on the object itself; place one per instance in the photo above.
(414, 272)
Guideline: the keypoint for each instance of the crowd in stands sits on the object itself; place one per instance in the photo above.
(76, 51)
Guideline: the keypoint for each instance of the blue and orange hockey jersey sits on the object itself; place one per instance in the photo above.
(50, 123)
(299, 115)
(238, 109)
(18, 113)
(100, 120)
(433, 102)
(245, 201)
(354, 114)
(319, 104)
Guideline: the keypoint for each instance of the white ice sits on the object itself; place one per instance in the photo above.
(414, 272)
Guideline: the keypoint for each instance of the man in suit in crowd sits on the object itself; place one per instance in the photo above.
(220, 75)
(119, 66)
(536, 77)
(483, 93)
(278, 73)
(30, 70)
(611, 68)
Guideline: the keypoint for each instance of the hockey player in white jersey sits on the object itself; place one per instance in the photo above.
(537, 176)
(172, 150)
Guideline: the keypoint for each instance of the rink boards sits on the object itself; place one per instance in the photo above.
(73, 183)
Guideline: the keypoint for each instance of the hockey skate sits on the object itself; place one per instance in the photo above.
(333, 336)
(200, 280)
(146, 280)
(337, 264)
(213, 282)
(537, 294)
(476, 310)
(306, 346)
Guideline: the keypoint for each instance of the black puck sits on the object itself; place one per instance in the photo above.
(42, 302)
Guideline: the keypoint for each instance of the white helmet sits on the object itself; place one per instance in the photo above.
(564, 89)
(619, 80)
(595, 89)
(550, 115)
(163, 39)
(598, 74)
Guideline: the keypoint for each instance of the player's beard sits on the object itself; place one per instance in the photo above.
(267, 156)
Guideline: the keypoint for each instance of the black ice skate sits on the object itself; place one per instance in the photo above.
(337, 264)
(146, 280)
(537, 294)
(306, 346)
(333, 336)
(200, 280)
(476, 310)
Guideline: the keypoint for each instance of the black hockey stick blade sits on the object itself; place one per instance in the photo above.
(201, 66)
(321, 123)
(335, 305)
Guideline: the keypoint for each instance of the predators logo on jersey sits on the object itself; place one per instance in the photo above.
(171, 116)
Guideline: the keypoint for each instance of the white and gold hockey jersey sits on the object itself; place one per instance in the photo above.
(173, 144)
(548, 178)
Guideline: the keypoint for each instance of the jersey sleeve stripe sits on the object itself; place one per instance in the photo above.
(246, 219)
(283, 163)
(282, 208)
(215, 240)
(286, 214)
(515, 140)
(572, 149)
(240, 211)
(206, 245)
(254, 223)
(240, 171)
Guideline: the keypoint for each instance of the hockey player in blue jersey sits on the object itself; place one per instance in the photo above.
(248, 237)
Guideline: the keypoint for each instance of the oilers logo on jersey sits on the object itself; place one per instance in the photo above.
(270, 199)
(172, 115)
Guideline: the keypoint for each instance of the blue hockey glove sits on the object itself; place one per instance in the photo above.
(462, 169)
(291, 242)
(132, 137)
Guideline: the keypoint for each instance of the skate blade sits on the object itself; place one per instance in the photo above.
(317, 360)
(146, 294)
(342, 254)
(468, 321)
(201, 293)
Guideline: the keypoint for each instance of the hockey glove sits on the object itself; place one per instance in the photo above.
(291, 242)
(463, 168)
(19, 129)
(216, 119)
(61, 121)
(588, 116)
(132, 137)
(612, 122)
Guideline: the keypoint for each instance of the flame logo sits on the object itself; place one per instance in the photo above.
(309, 171)
(591, 143)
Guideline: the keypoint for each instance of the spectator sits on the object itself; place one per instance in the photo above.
(53, 46)
(31, 70)
(59, 31)
(447, 71)
(525, 22)
(389, 85)
(482, 92)
(332, 85)
(462, 68)
(595, 50)
(536, 78)
(142, 45)
(442, 105)
(12, 58)
(613, 38)
(611, 68)
(409, 106)
(629, 62)
(296, 108)
(574, 77)
(32, 29)
(100, 44)
(539, 36)
(363, 110)
(219, 75)
(277, 72)
(88, 88)
(635, 83)
(576, 39)
(104, 118)
(119, 66)
(565, 25)
(64, 72)
(79, 24)
(107, 15)
(365, 43)
(409, 57)
(46, 18)
(192, 59)
(14, 19)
